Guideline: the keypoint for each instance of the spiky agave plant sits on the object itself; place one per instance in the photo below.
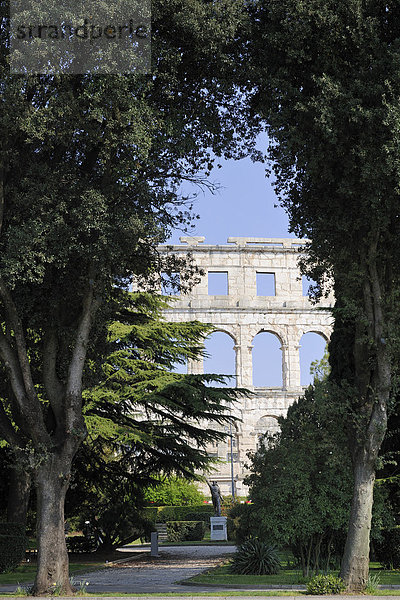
(256, 557)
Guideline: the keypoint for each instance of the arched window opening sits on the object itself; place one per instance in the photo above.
(267, 360)
(267, 424)
(220, 357)
(312, 348)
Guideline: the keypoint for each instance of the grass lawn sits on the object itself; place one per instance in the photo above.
(287, 576)
(79, 563)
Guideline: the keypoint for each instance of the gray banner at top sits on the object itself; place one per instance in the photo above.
(106, 37)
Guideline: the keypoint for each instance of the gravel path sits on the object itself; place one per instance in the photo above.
(145, 574)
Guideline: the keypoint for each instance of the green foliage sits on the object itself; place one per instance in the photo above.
(387, 549)
(90, 168)
(388, 478)
(324, 77)
(80, 543)
(12, 529)
(241, 523)
(163, 514)
(153, 416)
(255, 557)
(181, 531)
(325, 584)
(373, 583)
(320, 369)
(13, 543)
(144, 420)
(174, 491)
(300, 481)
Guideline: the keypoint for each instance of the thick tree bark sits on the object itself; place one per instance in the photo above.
(355, 562)
(374, 384)
(52, 480)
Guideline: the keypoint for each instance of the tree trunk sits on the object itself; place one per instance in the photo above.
(18, 495)
(52, 480)
(373, 380)
(355, 562)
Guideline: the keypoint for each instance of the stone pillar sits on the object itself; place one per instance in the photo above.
(195, 367)
(238, 365)
(285, 366)
(247, 366)
(244, 363)
(293, 362)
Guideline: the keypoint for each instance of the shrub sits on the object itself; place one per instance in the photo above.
(174, 491)
(325, 584)
(387, 549)
(241, 523)
(185, 531)
(163, 514)
(12, 529)
(255, 557)
(80, 543)
(13, 543)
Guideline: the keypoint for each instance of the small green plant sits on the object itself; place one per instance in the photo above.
(325, 584)
(23, 590)
(372, 583)
(256, 557)
(80, 586)
(57, 589)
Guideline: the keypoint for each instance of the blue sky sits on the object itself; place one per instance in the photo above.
(245, 206)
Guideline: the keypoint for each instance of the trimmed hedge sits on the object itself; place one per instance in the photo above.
(164, 514)
(13, 543)
(185, 531)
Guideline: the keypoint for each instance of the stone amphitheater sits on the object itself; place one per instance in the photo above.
(243, 310)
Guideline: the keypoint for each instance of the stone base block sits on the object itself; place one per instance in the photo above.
(218, 528)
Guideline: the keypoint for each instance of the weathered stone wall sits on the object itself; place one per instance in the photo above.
(243, 314)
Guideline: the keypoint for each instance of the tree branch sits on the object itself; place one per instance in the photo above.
(12, 366)
(29, 409)
(53, 386)
(19, 337)
(7, 430)
(73, 395)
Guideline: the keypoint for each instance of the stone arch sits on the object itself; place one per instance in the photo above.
(312, 346)
(325, 333)
(267, 359)
(224, 329)
(220, 346)
(266, 424)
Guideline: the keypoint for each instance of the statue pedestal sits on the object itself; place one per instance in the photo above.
(218, 528)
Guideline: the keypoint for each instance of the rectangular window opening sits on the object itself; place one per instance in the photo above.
(235, 457)
(306, 282)
(266, 284)
(170, 284)
(217, 283)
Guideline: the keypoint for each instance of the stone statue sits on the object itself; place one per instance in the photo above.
(216, 497)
